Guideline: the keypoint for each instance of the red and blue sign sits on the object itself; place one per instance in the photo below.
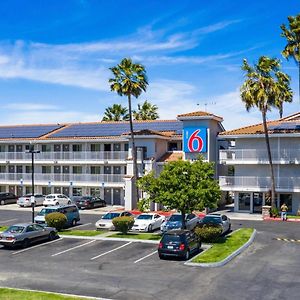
(195, 139)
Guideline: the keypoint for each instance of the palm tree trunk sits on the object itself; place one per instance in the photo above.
(270, 157)
(183, 223)
(281, 110)
(134, 152)
(299, 77)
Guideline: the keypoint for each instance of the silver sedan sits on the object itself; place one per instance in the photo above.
(25, 234)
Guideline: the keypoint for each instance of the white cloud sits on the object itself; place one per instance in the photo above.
(216, 26)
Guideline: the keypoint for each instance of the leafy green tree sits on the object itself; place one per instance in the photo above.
(292, 48)
(146, 111)
(129, 80)
(116, 113)
(266, 87)
(184, 186)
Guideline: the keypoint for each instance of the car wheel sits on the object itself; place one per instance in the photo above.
(229, 228)
(25, 243)
(57, 203)
(150, 228)
(161, 256)
(52, 236)
(74, 222)
(69, 202)
(2, 202)
(187, 255)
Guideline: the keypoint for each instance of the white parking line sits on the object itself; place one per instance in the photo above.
(70, 249)
(115, 249)
(6, 221)
(87, 224)
(145, 257)
(36, 246)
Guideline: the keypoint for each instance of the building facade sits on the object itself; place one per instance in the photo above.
(96, 158)
(249, 171)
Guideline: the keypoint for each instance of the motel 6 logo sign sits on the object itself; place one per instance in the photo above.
(195, 139)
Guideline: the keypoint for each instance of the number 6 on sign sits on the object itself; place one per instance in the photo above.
(194, 139)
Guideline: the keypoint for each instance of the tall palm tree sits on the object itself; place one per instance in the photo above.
(129, 80)
(116, 113)
(292, 48)
(263, 88)
(146, 111)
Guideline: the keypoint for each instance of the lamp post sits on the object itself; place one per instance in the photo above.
(32, 151)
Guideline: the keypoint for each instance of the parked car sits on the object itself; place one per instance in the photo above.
(217, 219)
(8, 198)
(178, 243)
(56, 199)
(25, 200)
(26, 234)
(70, 211)
(106, 221)
(175, 222)
(148, 222)
(88, 202)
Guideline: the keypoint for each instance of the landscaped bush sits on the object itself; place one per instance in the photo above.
(56, 220)
(123, 224)
(274, 212)
(208, 233)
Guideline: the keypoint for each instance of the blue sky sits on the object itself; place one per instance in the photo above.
(55, 55)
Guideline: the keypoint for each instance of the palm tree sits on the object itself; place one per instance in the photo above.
(146, 111)
(292, 48)
(116, 113)
(130, 80)
(263, 88)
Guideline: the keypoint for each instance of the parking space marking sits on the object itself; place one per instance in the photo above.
(87, 224)
(70, 249)
(36, 246)
(144, 257)
(115, 249)
(7, 221)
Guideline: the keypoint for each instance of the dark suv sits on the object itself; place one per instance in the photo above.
(178, 243)
(88, 201)
(8, 198)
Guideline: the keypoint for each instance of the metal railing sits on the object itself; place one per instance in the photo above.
(244, 182)
(72, 156)
(259, 155)
(51, 177)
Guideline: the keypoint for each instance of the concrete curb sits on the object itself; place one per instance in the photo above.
(108, 239)
(54, 293)
(227, 259)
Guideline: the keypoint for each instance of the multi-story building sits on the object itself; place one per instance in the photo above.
(95, 158)
(248, 163)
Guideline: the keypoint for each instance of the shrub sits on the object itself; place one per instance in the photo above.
(209, 233)
(56, 220)
(274, 212)
(143, 204)
(123, 224)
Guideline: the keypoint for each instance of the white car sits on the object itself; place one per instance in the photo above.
(56, 199)
(148, 222)
(25, 200)
(106, 221)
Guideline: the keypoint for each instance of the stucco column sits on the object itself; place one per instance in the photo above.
(130, 199)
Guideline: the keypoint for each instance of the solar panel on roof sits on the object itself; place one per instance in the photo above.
(285, 126)
(116, 129)
(32, 131)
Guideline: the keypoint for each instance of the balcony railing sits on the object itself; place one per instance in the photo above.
(71, 156)
(259, 155)
(69, 178)
(260, 183)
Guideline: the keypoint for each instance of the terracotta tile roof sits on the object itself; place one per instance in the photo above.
(150, 132)
(171, 156)
(198, 114)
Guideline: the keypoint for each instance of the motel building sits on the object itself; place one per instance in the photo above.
(96, 158)
(248, 171)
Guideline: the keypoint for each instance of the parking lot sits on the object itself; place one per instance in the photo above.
(132, 270)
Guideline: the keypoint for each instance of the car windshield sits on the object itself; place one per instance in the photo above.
(86, 198)
(212, 219)
(175, 218)
(50, 197)
(171, 238)
(46, 211)
(144, 217)
(110, 216)
(15, 229)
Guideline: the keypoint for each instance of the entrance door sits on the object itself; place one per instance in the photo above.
(257, 202)
(244, 201)
(117, 196)
(20, 191)
(107, 196)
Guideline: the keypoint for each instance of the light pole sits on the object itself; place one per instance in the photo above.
(32, 151)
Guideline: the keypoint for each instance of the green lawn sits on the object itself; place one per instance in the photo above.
(12, 294)
(2, 228)
(225, 247)
(81, 232)
(138, 236)
(293, 217)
